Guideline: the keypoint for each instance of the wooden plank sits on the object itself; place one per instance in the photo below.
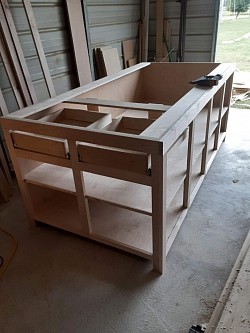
(77, 28)
(39, 47)
(159, 29)
(131, 62)
(140, 42)
(88, 38)
(10, 73)
(215, 319)
(128, 51)
(3, 107)
(83, 205)
(119, 104)
(15, 49)
(159, 208)
(236, 315)
(116, 159)
(111, 60)
(40, 144)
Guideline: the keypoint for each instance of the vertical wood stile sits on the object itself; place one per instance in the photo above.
(217, 131)
(159, 29)
(39, 47)
(78, 35)
(3, 106)
(227, 102)
(20, 179)
(16, 53)
(159, 208)
(11, 76)
(80, 191)
(205, 149)
(187, 182)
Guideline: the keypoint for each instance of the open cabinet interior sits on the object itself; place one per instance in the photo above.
(120, 160)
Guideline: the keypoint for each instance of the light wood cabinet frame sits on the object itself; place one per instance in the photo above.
(120, 160)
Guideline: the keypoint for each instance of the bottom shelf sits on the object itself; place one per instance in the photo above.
(56, 208)
(121, 228)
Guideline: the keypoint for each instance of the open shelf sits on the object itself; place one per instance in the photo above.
(55, 208)
(53, 177)
(121, 228)
(176, 169)
(117, 192)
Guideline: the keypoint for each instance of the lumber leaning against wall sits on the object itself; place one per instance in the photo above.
(15, 63)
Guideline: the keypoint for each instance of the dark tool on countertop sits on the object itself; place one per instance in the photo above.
(207, 80)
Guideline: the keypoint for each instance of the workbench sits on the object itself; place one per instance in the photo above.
(120, 160)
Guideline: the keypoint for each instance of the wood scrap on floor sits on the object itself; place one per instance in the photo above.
(241, 87)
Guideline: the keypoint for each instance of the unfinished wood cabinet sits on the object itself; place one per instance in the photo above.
(120, 160)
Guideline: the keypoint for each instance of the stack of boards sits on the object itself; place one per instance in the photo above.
(5, 179)
(108, 60)
(241, 86)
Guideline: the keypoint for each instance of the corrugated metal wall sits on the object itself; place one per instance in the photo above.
(200, 28)
(53, 27)
(111, 22)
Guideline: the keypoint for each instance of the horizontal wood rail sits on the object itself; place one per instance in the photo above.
(118, 104)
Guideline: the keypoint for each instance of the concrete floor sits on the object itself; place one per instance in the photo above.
(61, 283)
